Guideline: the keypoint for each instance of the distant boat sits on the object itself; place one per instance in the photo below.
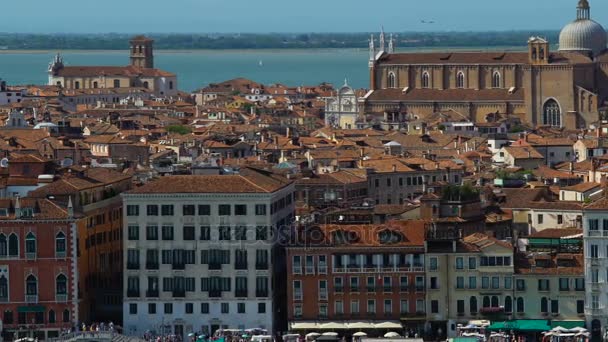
(261, 63)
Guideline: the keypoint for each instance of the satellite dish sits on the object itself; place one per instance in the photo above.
(67, 162)
(4, 162)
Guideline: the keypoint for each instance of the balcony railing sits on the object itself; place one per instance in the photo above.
(215, 294)
(31, 299)
(151, 265)
(180, 266)
(492, 310)
(338, 289)
(370, 288)
(322, 269)
(61, 298)
(60, 255)
(30, 256)
(240, 265)
(241, 293)
(370, 268)
(387, 288)
(261, 293)
(595, 311)
(355, 288)
(598, 233)
(181, 293)
(132, 293)
(297, 270)
(215, 266)
(132, 265)
(297, 296)
(152, 293)
(261, 266)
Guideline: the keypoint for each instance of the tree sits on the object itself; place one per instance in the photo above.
(179, 129)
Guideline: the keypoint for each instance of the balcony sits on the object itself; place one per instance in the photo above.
(597, 311)
(404, 288)
(419, 288)
(31, 299)
(243, 293)
(132, 293)
(595, 286)
(152, 266)
(355, 289)
(215, 294)
(216, 266)
(387, 288)
(593, 261)
(152, 293)
(240, 265)
(322, 269)
(297, 270)
(370, 288)
(338, 289)
(597, 233)
(132, 265)
(261, 293)
(297, 296)
(180, 293)
(492, 310)
(60, 255)
(179, 266)
(61, 298)
(30, 256)
(263, 266)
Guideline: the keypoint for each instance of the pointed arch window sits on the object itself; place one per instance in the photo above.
(52, 318)
(392, 82)
(66, 316)
(496, 80)
(425, 80)
(31, 285)
(30, 244)
(473, 305)
(61, 284)
(508, 304)
(552, 115)
(13, 245)
(460, 80)
(60, 244)
(3, 289)
(3, 246)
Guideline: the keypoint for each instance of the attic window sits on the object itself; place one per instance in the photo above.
(389, 237)
(27, 212)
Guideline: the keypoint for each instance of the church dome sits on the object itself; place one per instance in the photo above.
(583, 34)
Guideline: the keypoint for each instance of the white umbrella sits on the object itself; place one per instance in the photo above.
(359, 334)
(190, 334)
(560, 329)
(312, 335)
(330, 333)
(391, 334)
(578, 329)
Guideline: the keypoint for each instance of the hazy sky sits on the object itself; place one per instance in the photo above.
(199, 16)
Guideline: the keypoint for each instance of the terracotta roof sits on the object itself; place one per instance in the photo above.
(523, 152)
(446, 95)
(126, 71)
(393, 209)
(249, 180)
(600, 204)
(520, 198)
(529, 264)
(44, 209)
(582, 187)
(482, 241)
(555, 233)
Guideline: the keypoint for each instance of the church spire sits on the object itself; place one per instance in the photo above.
(372, 49)
(382, 40)
(391, 44)
(582, 10)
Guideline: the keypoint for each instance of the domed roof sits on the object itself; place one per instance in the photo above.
(583, 34)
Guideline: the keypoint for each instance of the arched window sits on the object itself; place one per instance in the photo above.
(496, 80)
(13, 245)
(60, 243)
(520, 305)
(494, 301)
(486, 302)
(146, 85)
(3, 289)
(425, 80)
(95, 85)
(76, 85)
(61, 284)
(3, 246)
(66, 316)
(473, 305)
(30, 243)
(508, 304)
(51, 316)
(392, 83)
(58, 83)
(552, 115)
(460, 80)
(544, 305)
(31, 285)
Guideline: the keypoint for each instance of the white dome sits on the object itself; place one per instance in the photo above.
(583, 35)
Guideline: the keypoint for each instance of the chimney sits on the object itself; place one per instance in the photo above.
(17, 208)
(571, 167)
(70, 208)
(287, 132)
(394, 167)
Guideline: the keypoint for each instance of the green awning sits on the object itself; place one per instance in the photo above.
(525, 325)
(568, 324)
(464, 339)
(31, 308)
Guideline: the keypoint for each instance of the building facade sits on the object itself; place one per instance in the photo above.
(342, 110)
(200, 253)
(518, 84)
(38, 268)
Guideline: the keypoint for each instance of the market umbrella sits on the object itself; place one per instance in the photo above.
(391, 334)
(330, 333)
(190, 334)
(312, 335)
(560, 329)
(359, 334)
(578, 329)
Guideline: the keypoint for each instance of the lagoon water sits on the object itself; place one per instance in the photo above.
(197, 68)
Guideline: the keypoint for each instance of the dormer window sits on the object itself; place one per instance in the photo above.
(389, 237)
(27, 212)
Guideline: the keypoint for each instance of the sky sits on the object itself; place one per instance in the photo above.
(244, 16)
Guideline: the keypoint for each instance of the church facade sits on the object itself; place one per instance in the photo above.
(140, 73)
(565, 88)
(342, 111)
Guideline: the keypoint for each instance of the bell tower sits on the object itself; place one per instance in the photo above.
(142, 52)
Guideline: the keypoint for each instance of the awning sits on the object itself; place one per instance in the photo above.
(480, 323)
(31, 308)
(332, 326)
(360, 325)
(303, 326)
(464, 339)
(388, 325)
(525, 325)
(568, 324)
